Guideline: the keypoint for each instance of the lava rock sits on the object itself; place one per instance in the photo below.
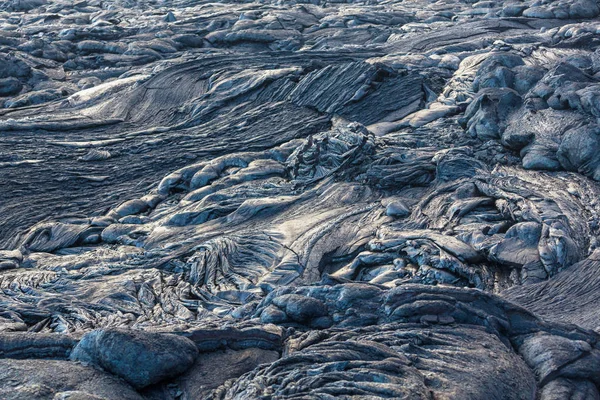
(141, 358)
(11, 66)
(10, 87)
(397, 209)
(580, 150)
(301, 308)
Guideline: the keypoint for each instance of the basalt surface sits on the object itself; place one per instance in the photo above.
(299, 200)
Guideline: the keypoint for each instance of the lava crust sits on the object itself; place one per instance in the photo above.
(295, 199)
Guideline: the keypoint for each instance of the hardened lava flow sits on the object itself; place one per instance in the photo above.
(299, 200)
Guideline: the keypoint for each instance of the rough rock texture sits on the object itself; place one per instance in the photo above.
(200, 380)
(299, 199)
(37, 379)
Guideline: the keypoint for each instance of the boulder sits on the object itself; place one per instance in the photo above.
(580, 150)
(140, 358)
(301, 308)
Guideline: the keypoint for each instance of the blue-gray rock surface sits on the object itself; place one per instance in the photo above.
(299, 199)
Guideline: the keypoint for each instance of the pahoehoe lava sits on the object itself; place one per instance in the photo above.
(299, 199)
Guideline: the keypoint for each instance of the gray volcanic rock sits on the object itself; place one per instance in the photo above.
(52, 379)
(200, 380)
(579, 150)
(10, 86)
(140, 358)
(335, 364)
(570, 297)
(417, 340)
(24, 345)
(289, 199)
